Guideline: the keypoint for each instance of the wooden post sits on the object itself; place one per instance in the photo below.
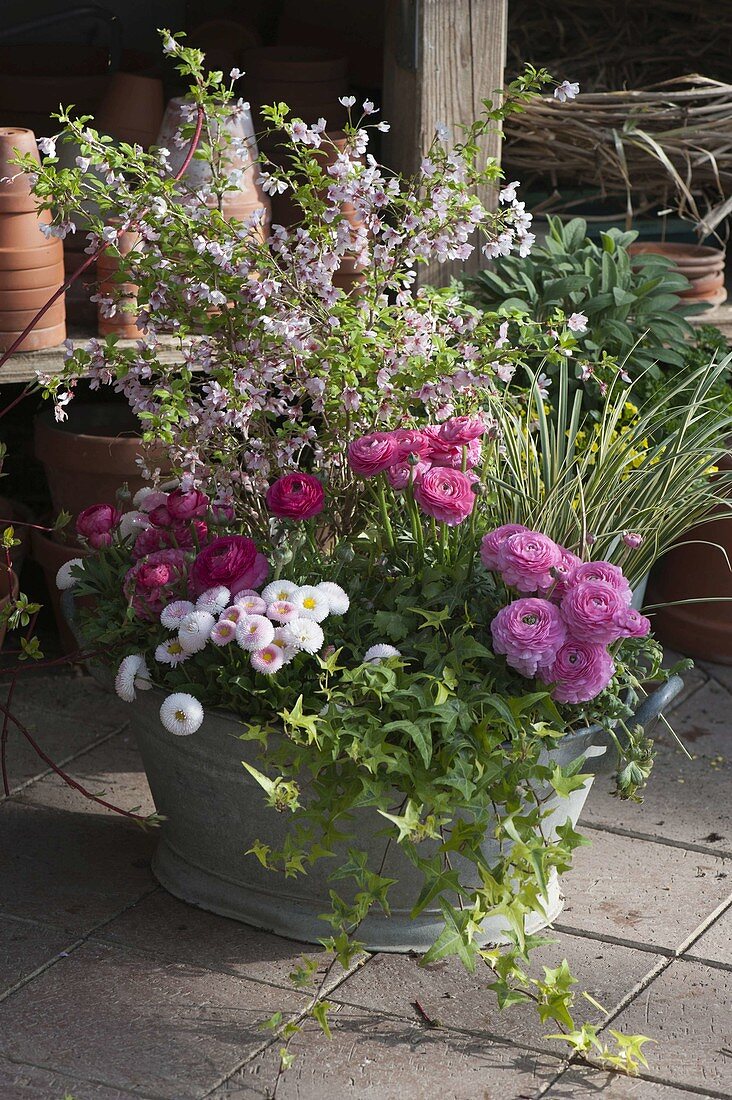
(441, 58)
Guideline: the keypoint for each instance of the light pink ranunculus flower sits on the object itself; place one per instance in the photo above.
(410, 441)
(445, 494)
(526, 560)
(462, 430)
(442, 452)
(492, 542)
(529, 632)
(633, 624)
(371, 454)
(399, 474)
(606, 572)
(579, 672)
(563, 575)
(593, 611)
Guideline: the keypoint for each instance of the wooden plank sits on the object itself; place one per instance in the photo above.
(24, 365)
(441, 59)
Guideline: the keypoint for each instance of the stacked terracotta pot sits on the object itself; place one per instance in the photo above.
(701, 265)
(239, 163)
(31, 266)
(123, 322)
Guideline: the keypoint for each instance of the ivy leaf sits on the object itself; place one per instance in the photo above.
(406, 823)
(455, 939)
(419, 734)
(319, 1012)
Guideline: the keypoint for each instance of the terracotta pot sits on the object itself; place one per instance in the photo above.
(223, 40)
(91, 455)
(31, 278)
(17, 516)
(239, 163)
(47, 254)
(36, 77)
(23, 231)
(9, 589)
(26, 300)
(696, 572)
(682, 255)
(123, 322)
(309, 79)
(15, 194)
(704, 284)
(16, 320)
(39, 338)
(361, 40)
(131, 109)
(51, 555)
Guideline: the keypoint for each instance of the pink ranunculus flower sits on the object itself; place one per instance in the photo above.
(445, 494)
(371, 454)
(97, 523)
(296, 496)
(633, 624)
(231, 560)
(563, 574)
(462, 429)
(399, 473)
(155, 581)
(608, 573)
(632, 539)
(579, 672)
(445, 453)
(592, 611)
(410, 441)
(529, 631)
(492, 542)
(160, 516)
(185, 506)
(526, 560)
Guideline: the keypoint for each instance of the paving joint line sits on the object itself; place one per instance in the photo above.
(85, 1080)
(74, 946)
(642, 984)
(616, 941)
(63, 763)
(634, 834)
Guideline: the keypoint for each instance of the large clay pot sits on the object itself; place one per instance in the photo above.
(123, 322)
(50, 556)
(9, 589)
(88, 457)
(31, 267)
(696, 572)
(309, 80)
(701, 265)
(131, 109)
(239, 163)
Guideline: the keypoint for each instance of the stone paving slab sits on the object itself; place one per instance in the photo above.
(71, 869)
(168, 929)
(721, 673)
(65, 714)
(687, 1011)
(24, 1082)
(645, 894)
(451, 996)
(111, 1015)
(112, 771)
(24, 946)
(703, 722)
(716, 943)
(584, 1084)
(373, 1058)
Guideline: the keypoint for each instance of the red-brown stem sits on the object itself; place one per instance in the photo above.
(69, 659)
(4, 737)
(62, 774)
(92, 258)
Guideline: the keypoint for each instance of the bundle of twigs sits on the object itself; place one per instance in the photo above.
(666, 145)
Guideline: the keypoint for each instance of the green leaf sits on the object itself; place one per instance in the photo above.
(455, 939)
(419, 734)
(319, 1012)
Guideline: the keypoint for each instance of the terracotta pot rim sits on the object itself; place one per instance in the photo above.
(684, 252)
(295, 64)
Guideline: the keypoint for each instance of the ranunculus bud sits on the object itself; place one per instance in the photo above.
(97, 523)
(296, 496)
(183, 506)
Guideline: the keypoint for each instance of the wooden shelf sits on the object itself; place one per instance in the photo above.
(23, 366)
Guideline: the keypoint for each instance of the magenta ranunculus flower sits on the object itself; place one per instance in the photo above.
(445, 494)
(231, 560)
(492, 542)
(296, 496)
(579, 672)
(633, 624)
(399, 474)
(97, 523)
(526, 560)
(371, 454)
(184, 506)
(443, 452)
(462, 429)
(529, 631)
(592, 611)
(155, 581)
(410, 441)
(563, 574)
(608, 573)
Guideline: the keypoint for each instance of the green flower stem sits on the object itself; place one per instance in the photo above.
(388, 530)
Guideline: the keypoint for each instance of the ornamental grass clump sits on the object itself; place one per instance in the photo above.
(364, 557)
